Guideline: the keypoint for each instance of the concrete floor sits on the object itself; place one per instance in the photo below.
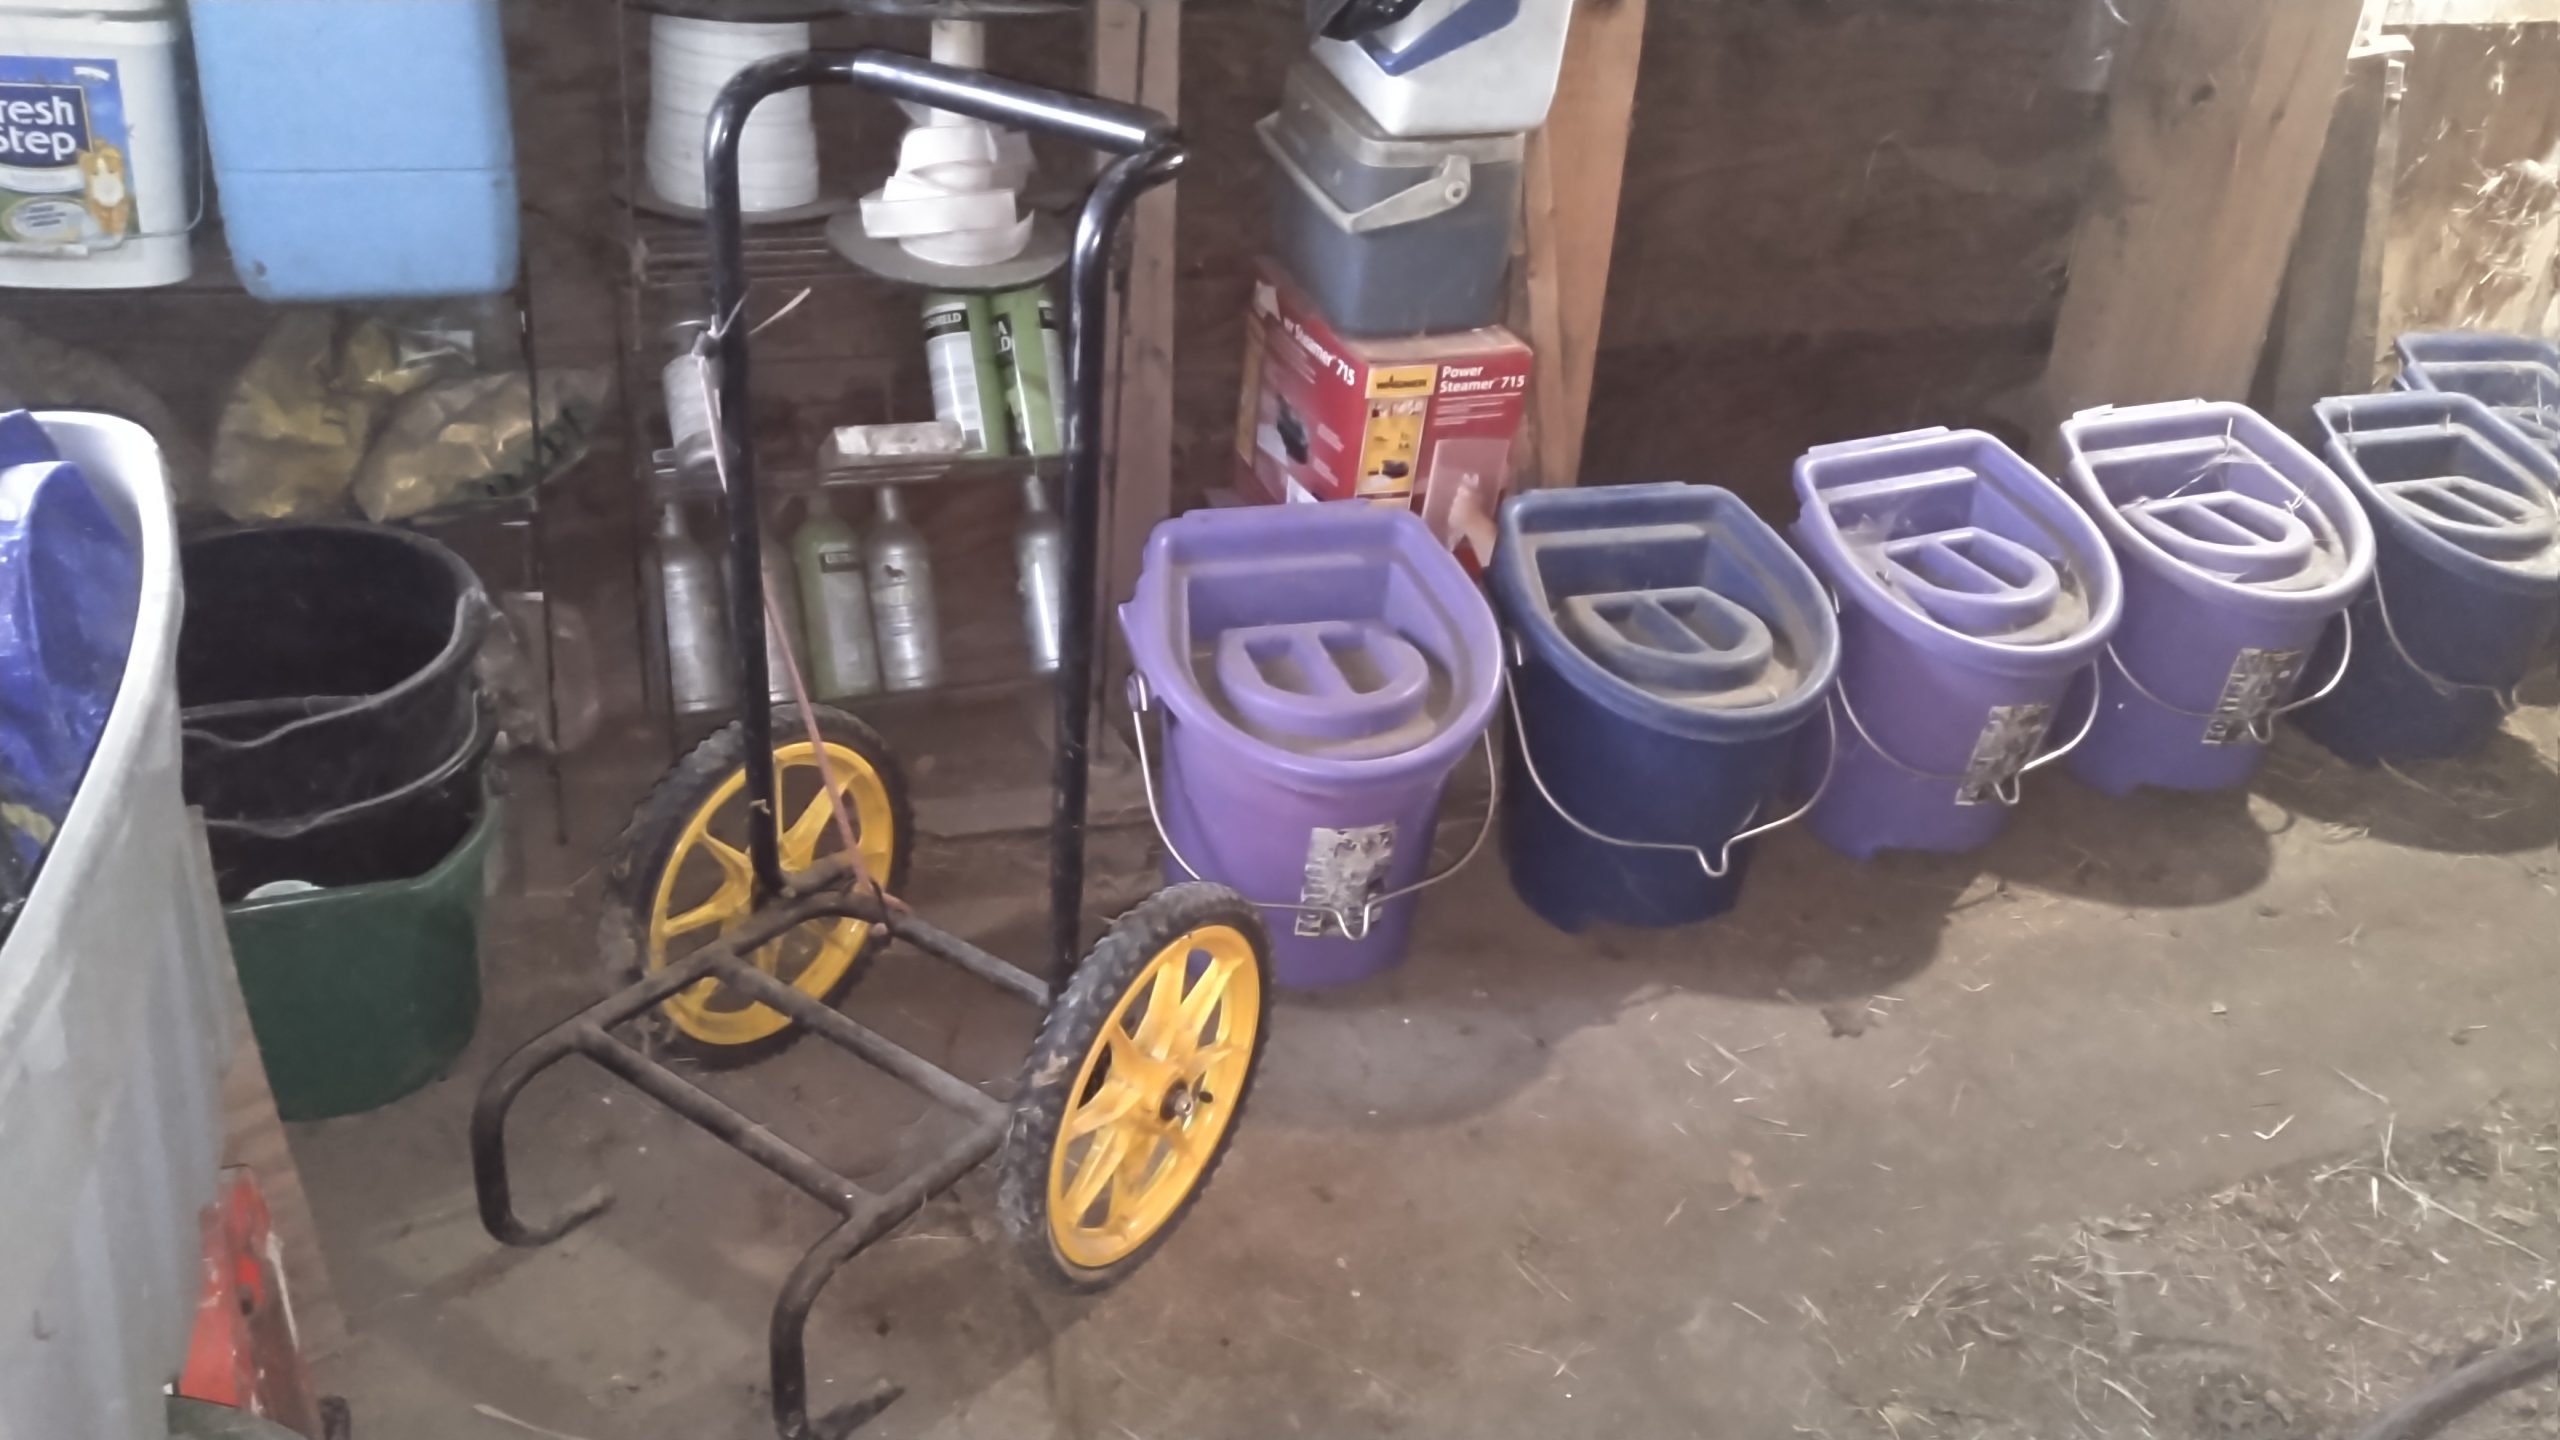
(1531, 1186)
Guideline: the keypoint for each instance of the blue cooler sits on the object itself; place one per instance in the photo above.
(361, 148)
(1668, 649)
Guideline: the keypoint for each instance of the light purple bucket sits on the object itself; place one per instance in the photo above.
(1321, 670)
(2238, 548)
(1972, 592)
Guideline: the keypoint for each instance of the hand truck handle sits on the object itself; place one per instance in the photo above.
(1148, 152)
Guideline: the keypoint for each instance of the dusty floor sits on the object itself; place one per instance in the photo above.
(2082, 1136)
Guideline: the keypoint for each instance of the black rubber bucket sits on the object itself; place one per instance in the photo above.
(390, 836)
(323, 665)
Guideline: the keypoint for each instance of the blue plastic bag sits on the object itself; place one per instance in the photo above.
(70, 584)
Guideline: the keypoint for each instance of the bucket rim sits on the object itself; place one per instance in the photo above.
(2289, 457)
(1784, 573)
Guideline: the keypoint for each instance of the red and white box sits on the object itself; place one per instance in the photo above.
(1428, 423)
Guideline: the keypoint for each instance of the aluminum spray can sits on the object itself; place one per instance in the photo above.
(1040, 574)
(960, 357)
(901, 578)
(835, 604)
(700, 676)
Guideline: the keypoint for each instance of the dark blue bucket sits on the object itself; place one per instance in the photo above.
(2466, 584)
(2516, 375)
(1668, 649)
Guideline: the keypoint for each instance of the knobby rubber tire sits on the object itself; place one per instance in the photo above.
(642, 852)
(1073, 1027)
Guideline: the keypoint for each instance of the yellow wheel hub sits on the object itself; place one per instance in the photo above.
(1155, 1095)
(707, 888)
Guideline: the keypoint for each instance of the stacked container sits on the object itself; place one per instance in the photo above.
(1668, 650)
(1972, 595)
(1390, 237)
(2466, 582)
(1321, 670)
(2238, 550)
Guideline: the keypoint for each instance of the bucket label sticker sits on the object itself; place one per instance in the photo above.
(1346, 869)
(65, 159)
(2259, 682)
(2000, 754)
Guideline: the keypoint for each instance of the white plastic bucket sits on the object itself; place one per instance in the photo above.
(112, 1034)
(97, 187)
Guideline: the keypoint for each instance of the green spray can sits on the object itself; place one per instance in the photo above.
(1031, 350)
(960, 358)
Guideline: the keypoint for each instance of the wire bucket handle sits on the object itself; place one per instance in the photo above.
(2261, 726)
(2006, 789)
(1721, 863)
(1142, 701)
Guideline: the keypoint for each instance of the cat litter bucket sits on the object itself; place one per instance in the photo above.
(2238, 550)
(2466, 582)
(1321, 669)
(1972, 593)
(2516, 375)
(1667, 651)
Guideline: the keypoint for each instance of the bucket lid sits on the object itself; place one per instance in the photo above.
(2220, 502)
(1952, 538)
(2516, 375)
(1671, 604)
(1324, 126)
(2446, 474)
(1319, 639)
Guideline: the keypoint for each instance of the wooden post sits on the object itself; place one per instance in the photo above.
(1570, 182)
(1137, 57)
(2324, 341)
(2218, 115)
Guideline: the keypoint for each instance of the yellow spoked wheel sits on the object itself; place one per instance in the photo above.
(1132, 1093)
(681, 878)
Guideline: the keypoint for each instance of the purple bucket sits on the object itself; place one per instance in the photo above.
(1322, 669)
(1972, 592)
(2238, 549)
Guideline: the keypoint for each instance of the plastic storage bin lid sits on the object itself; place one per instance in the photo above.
(1673, 605)
(2220, 503)
(1322, 639)
(1953, 540)
(1326, 130)
(2517, 375)
(2452, 480)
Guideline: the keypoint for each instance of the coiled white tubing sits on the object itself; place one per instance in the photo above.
(689, 60)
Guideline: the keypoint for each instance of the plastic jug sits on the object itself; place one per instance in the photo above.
(1972, 593)
(2238, 549)
(1321, 670)
(1667, 650)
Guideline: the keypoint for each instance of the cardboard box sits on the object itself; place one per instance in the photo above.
(1427, 423)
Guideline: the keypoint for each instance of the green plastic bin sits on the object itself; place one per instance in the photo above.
(360, 994)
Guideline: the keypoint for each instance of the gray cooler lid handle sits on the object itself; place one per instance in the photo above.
(1445, 190)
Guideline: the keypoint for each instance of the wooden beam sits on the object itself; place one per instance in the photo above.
(1570, 184)
(2217, 118)
(1137, 57)
(2324, 341)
